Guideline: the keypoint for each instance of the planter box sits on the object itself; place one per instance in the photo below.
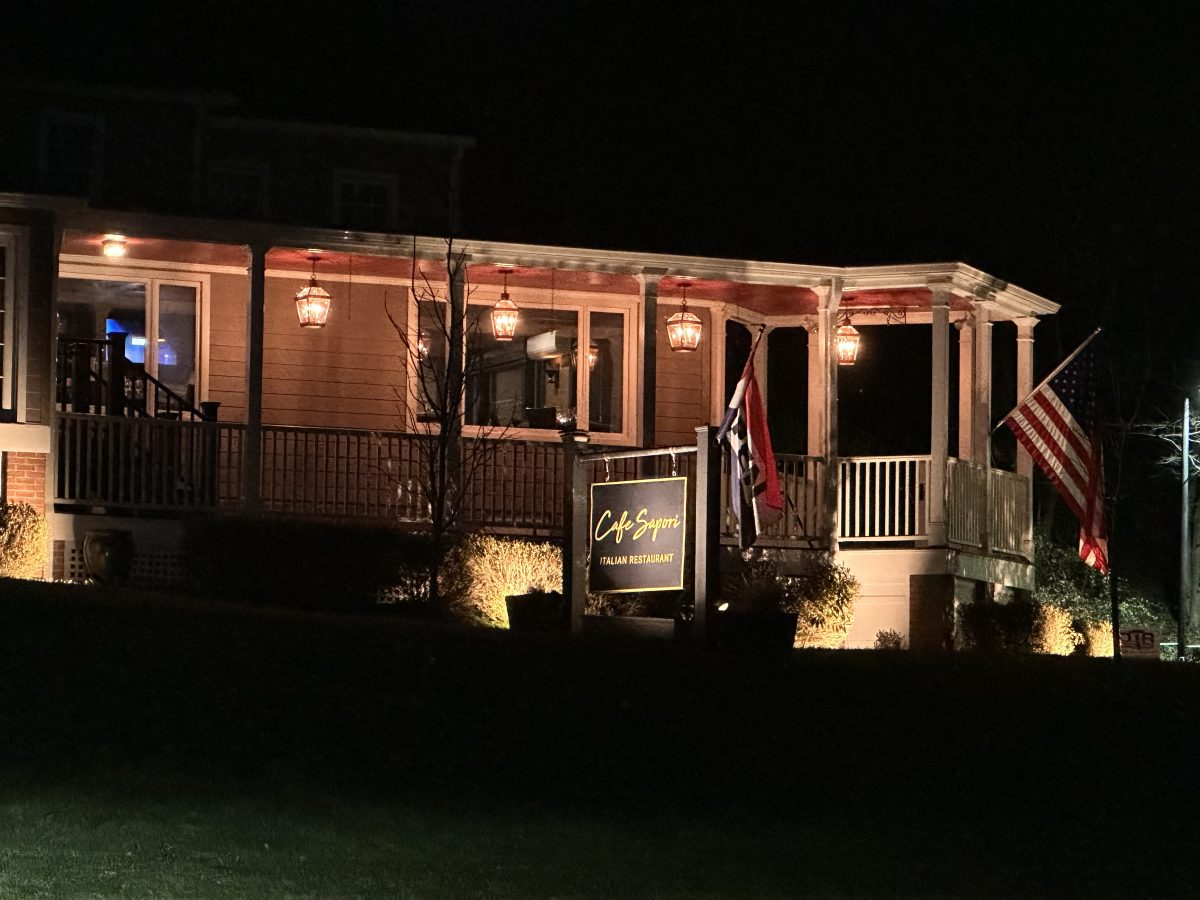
(538, 612)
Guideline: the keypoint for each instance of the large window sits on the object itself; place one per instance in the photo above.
(563, 368)
(159, 318)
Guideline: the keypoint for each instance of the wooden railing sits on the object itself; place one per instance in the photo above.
(802, 521)
(380, 475)
(966, 502)
(1010, 526)
(93, 376)
(125, 462)
(883, 498)
(140, 463)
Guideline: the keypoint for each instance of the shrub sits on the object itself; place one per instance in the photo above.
(822, 595)
(1017, 627)
(660, 604)
(1096, 638)
(24, 541)
(889, 639)
(481, 570)
(305, 564)
(1054, 632)
(997, 627)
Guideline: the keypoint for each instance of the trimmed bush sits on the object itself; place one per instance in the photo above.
(822, 595)
(24, 541)
(305, 564)
(1055, 632)
(1097, 638)
(483, 569)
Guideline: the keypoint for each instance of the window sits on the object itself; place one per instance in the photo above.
(238, 190)
(564, 367)
(158, 316)
(70, 152)
(364, 200)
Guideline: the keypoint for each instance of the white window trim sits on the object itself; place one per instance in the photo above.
(243, 167)
(96, 121)
(154, 279)
(583, 304)
(388, 181)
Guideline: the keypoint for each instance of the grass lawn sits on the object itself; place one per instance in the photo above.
(156, 748)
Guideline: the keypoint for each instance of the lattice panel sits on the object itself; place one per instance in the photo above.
(151, 567)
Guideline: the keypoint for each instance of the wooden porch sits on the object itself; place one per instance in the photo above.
(171, 466)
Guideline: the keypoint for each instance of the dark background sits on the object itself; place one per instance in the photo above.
(1051, 144)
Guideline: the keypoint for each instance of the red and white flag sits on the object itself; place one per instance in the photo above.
(754, 480)
(1057, 424)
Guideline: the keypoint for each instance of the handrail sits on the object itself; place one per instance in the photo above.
(93, 361)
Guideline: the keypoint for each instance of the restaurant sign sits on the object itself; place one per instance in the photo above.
(638, 535)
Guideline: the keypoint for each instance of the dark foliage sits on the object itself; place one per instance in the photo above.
(999, 627)
(305, 565)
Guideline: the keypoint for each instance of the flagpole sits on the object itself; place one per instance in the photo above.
(1062, 365)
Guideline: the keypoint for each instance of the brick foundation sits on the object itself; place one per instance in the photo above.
(25, 479)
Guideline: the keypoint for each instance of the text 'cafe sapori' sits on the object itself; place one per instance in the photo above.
(638, 535)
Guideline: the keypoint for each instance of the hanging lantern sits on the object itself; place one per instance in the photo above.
(593, 354)
(848, 339)
(312, 301)
(684, 329)
(423, 345)
(504, 314)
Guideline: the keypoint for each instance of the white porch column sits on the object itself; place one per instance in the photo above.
(966, 381)
(761, 357)
(718, 316)
(982, 419)
(829, 300)
(252, 437)
(816, 391)
(649, 281)
(1024, 383)
(939, 420)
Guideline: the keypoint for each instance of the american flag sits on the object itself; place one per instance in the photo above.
(754, 481)
(1057, 424)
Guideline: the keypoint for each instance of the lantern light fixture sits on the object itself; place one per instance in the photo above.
(593, 355)
(684, 329)
(312, 300)
(113, 245)
(848, 340)
(504, 314)
(423, 345)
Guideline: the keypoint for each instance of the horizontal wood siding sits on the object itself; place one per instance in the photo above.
(227, 345)
(682, 383)
(349, 374)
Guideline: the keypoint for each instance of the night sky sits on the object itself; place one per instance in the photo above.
(1051, 144)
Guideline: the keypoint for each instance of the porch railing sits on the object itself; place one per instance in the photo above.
(1010, 526)
(966, 502)
(883, 498)
(142, 463)
(800, 480)
(170, 464)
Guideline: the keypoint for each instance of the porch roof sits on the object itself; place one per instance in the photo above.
(765, 289)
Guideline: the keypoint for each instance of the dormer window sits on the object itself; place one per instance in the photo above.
(365, 201)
